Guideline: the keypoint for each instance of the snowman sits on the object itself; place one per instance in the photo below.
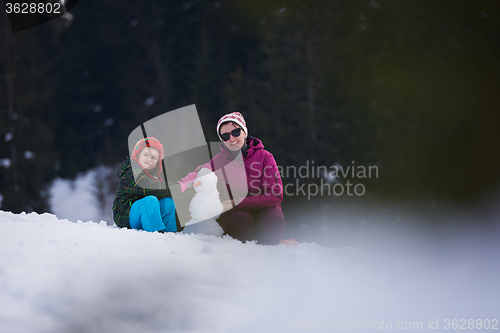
(205, 207)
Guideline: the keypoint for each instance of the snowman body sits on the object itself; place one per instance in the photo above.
(205, 207)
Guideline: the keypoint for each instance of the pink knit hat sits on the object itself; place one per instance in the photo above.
(235, 117)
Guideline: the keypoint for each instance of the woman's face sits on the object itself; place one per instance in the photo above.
(148, 158)
(234, 143)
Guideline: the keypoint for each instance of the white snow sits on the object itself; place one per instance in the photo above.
(74, 199)
(150, 100)
(88, 197)
(29, 155)
(5, 162)
(63, 276)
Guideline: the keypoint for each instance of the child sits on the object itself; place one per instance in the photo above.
(142, 202)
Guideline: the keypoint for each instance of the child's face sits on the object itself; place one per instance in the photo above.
(148, 158)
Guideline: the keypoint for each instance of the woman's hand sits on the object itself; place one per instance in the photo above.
(228, 205)
(197, 184)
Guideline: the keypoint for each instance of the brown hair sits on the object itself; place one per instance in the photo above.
(230, 122)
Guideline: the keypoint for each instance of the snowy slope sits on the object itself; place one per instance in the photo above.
(62, 276)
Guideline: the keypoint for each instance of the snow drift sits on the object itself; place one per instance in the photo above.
(62, 276)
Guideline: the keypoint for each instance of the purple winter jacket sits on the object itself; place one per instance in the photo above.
(263, 181)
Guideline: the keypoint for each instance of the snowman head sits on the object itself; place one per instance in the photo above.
(208, 181)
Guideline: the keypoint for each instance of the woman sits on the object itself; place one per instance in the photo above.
(258, 216)
(141, 201)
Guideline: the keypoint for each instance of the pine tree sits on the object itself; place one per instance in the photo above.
(27, 148)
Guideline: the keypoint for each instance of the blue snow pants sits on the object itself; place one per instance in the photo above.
(151, 214)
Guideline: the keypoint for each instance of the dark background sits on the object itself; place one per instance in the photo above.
(410, 86)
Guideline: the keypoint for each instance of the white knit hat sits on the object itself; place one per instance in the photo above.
(235, 117)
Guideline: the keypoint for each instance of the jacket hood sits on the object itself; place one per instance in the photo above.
(254, 144)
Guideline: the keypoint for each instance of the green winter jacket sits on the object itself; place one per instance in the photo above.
(129, 191)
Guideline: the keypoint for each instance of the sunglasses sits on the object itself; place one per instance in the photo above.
(235, 133)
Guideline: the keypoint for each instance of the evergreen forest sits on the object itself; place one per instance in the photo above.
(409, 86)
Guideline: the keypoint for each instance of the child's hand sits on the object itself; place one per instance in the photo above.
(197, 184)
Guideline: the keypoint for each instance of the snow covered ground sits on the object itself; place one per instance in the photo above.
(65, 276)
